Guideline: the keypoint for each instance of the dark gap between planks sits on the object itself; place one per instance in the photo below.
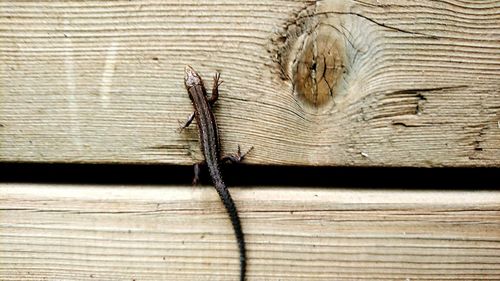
(242, 175)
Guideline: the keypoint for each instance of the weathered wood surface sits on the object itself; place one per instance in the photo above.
(370, 83)
(68, 232)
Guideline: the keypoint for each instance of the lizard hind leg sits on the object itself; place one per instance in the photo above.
(236, 157)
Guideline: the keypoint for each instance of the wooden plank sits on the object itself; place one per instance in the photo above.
(364, 83)
(70, 232)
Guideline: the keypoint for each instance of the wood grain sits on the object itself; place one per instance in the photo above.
(68, 232)
(102, 81)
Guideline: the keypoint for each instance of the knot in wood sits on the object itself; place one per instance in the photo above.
(318, 66)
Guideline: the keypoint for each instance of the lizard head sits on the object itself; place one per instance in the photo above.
(191, 77)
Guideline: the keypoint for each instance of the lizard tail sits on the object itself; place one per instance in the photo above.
(235, 221)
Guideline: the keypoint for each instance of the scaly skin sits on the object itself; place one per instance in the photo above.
(210, 146)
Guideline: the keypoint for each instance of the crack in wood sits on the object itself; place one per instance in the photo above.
(401, 103)
(168, 146)
(406, 125)
(479, 139)
(416, 91)
(378, 23)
